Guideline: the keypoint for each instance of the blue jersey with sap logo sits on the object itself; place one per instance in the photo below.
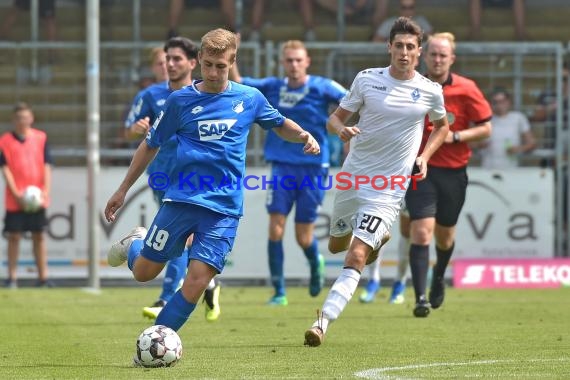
(211, 131)
(148, 103)
(308, 105)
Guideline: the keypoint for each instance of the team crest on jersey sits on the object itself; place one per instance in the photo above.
(237, 106)
(450, 118)
(415, 95)
(214, 129)
(197, 109)
(138, 107)
(341, 225)
(160, 102)
(289, 99)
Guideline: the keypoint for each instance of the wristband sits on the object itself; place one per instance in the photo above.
(456, 138)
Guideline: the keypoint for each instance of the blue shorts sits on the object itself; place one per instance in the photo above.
(303, 185)
(158, 195)
(214, 234)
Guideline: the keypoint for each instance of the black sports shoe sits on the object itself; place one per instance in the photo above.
(44, 284)
(436, 291)
(422, 307)
(159, 303)
(212, 302)
(151, 312)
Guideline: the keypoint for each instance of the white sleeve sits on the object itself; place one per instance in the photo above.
(523, 124)
(353, 99)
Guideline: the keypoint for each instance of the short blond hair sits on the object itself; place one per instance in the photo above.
(218, 41)
(293, 44)
(443, 36)
(154, 53)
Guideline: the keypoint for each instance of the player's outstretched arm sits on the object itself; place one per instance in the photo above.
(337, 124)
(138, 129)
(142, 157)
(477, 132)
(291, 131)
(436, 138)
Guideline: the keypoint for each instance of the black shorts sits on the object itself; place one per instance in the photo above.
(19, 221)
(47, 7)
(440, 195)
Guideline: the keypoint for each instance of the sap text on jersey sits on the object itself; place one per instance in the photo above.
(214, 129)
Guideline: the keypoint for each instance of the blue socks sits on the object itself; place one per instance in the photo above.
(275, 252)
(134, 252)
(175, 272)
(176, 312)
(312, 254)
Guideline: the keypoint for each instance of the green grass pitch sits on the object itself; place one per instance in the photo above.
(498, 334)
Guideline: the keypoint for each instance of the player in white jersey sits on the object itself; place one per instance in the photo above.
(392, 103)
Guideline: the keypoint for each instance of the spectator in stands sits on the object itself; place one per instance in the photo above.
(375, 9)
(25, 161)
(47, 14)
(228, 10)
(547, 106)
(518, 6)
(511, 136)
(305, 10)
(546, 112)
(407, 9)
(307, 14)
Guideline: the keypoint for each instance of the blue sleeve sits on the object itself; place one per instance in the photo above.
(262, 84)
(334, 91)
(139, 109)
(267, 116)
(165, 125)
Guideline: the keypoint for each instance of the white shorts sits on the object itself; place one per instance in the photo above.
(368, 221)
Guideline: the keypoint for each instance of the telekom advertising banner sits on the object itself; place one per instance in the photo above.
(507, 215)
(480, 273)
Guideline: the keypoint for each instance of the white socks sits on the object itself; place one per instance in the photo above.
(403, 259)
(338, 297)
(374, 268)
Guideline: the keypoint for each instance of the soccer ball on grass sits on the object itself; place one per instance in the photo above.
(158, 346)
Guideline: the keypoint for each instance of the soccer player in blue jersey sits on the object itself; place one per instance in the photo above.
(306, 99)
(135, 131)
(181, 57)
(211, 120)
